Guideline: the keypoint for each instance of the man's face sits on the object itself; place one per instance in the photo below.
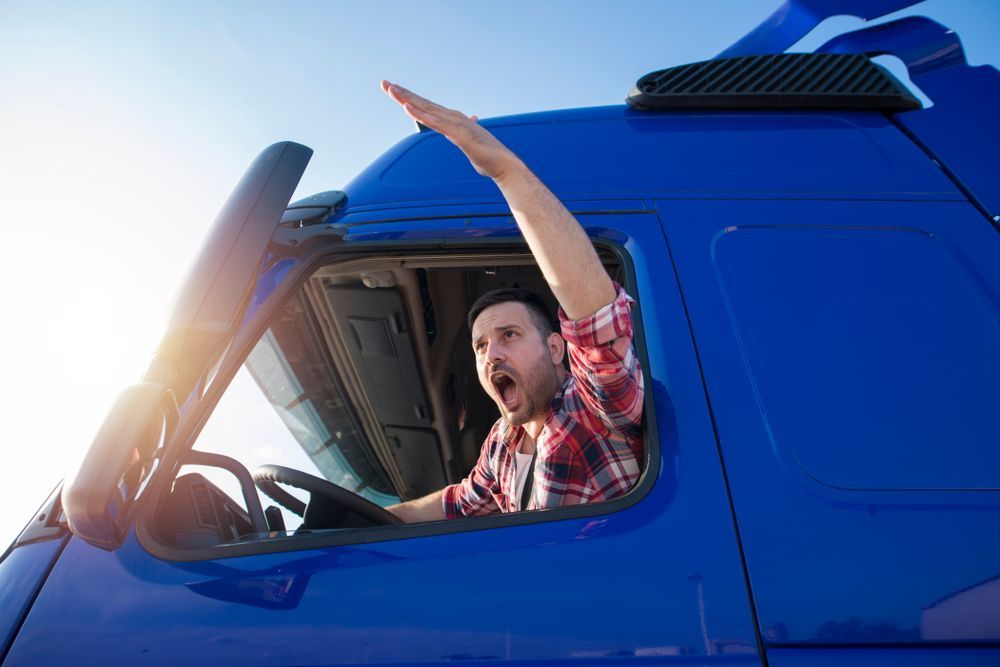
(516, 366)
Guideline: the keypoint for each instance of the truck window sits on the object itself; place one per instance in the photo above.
(364, 378)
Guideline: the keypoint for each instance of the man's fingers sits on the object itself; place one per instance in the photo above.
(447, 121)
(426, 118)
(413, 97)
(417, 115)
(432, 115)
(396, 93)
(401, 95)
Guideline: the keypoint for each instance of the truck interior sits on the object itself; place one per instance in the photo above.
(369, 371)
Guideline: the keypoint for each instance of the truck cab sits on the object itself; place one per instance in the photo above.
(815, 261)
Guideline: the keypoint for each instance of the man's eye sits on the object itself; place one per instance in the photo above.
(509, 333)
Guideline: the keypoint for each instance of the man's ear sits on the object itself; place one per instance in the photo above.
(557, 348)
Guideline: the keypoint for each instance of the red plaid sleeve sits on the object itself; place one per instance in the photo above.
(603, 361)
(476, 494)
(586, 468)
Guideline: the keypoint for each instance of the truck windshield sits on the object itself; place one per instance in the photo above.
(287, 406)
(308, 398)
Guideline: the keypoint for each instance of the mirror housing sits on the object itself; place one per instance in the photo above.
(100, 498)
(213, 296)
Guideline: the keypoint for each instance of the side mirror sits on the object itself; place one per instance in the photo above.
(100, 499)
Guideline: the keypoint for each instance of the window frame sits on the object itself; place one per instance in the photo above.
(186, 436)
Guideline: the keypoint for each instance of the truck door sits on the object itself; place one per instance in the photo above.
(654, 575)
(851, 351)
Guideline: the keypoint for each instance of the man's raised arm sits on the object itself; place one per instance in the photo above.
(560, 246)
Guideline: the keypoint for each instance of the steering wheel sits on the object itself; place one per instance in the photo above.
(326, 498)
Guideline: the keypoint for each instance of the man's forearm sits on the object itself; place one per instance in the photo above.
(428, 508)
(561, 247)
(559, 244)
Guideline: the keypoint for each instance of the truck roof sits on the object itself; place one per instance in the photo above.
(617, 151)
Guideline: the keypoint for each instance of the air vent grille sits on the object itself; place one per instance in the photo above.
(778, 81)
(202, 501)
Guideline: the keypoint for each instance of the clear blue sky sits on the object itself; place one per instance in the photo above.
(125, 124)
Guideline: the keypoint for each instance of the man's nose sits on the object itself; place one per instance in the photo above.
(494, 352)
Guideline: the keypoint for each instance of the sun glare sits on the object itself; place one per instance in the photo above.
(94, 256)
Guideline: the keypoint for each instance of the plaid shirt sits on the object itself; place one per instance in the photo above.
(590, 446)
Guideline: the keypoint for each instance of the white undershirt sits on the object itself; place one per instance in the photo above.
(521, 466)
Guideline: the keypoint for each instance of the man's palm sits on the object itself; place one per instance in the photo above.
(488, 156)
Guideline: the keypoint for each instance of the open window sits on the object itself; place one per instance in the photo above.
(361, 392)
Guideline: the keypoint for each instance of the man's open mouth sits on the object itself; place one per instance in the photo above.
(506, 389)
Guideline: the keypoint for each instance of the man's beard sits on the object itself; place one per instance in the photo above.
(535, 393)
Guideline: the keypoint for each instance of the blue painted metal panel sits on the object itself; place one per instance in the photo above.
(875, 321)
(960, 130)
(619, 152)
(660, 580)
(22, 572)
(444, 209)
(829, 564)
(953, 657)
(795, 18)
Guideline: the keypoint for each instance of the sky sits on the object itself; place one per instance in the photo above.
(124, 126)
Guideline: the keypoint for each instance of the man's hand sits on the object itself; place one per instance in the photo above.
(488, 156)
(562, 249)
(428, 508)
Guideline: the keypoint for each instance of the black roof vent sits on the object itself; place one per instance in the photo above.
(778, 81)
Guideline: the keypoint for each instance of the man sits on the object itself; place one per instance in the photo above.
(562, 439)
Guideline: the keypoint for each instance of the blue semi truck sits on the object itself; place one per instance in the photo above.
(816, 263)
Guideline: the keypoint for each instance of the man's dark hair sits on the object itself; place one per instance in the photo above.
(541, 317)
